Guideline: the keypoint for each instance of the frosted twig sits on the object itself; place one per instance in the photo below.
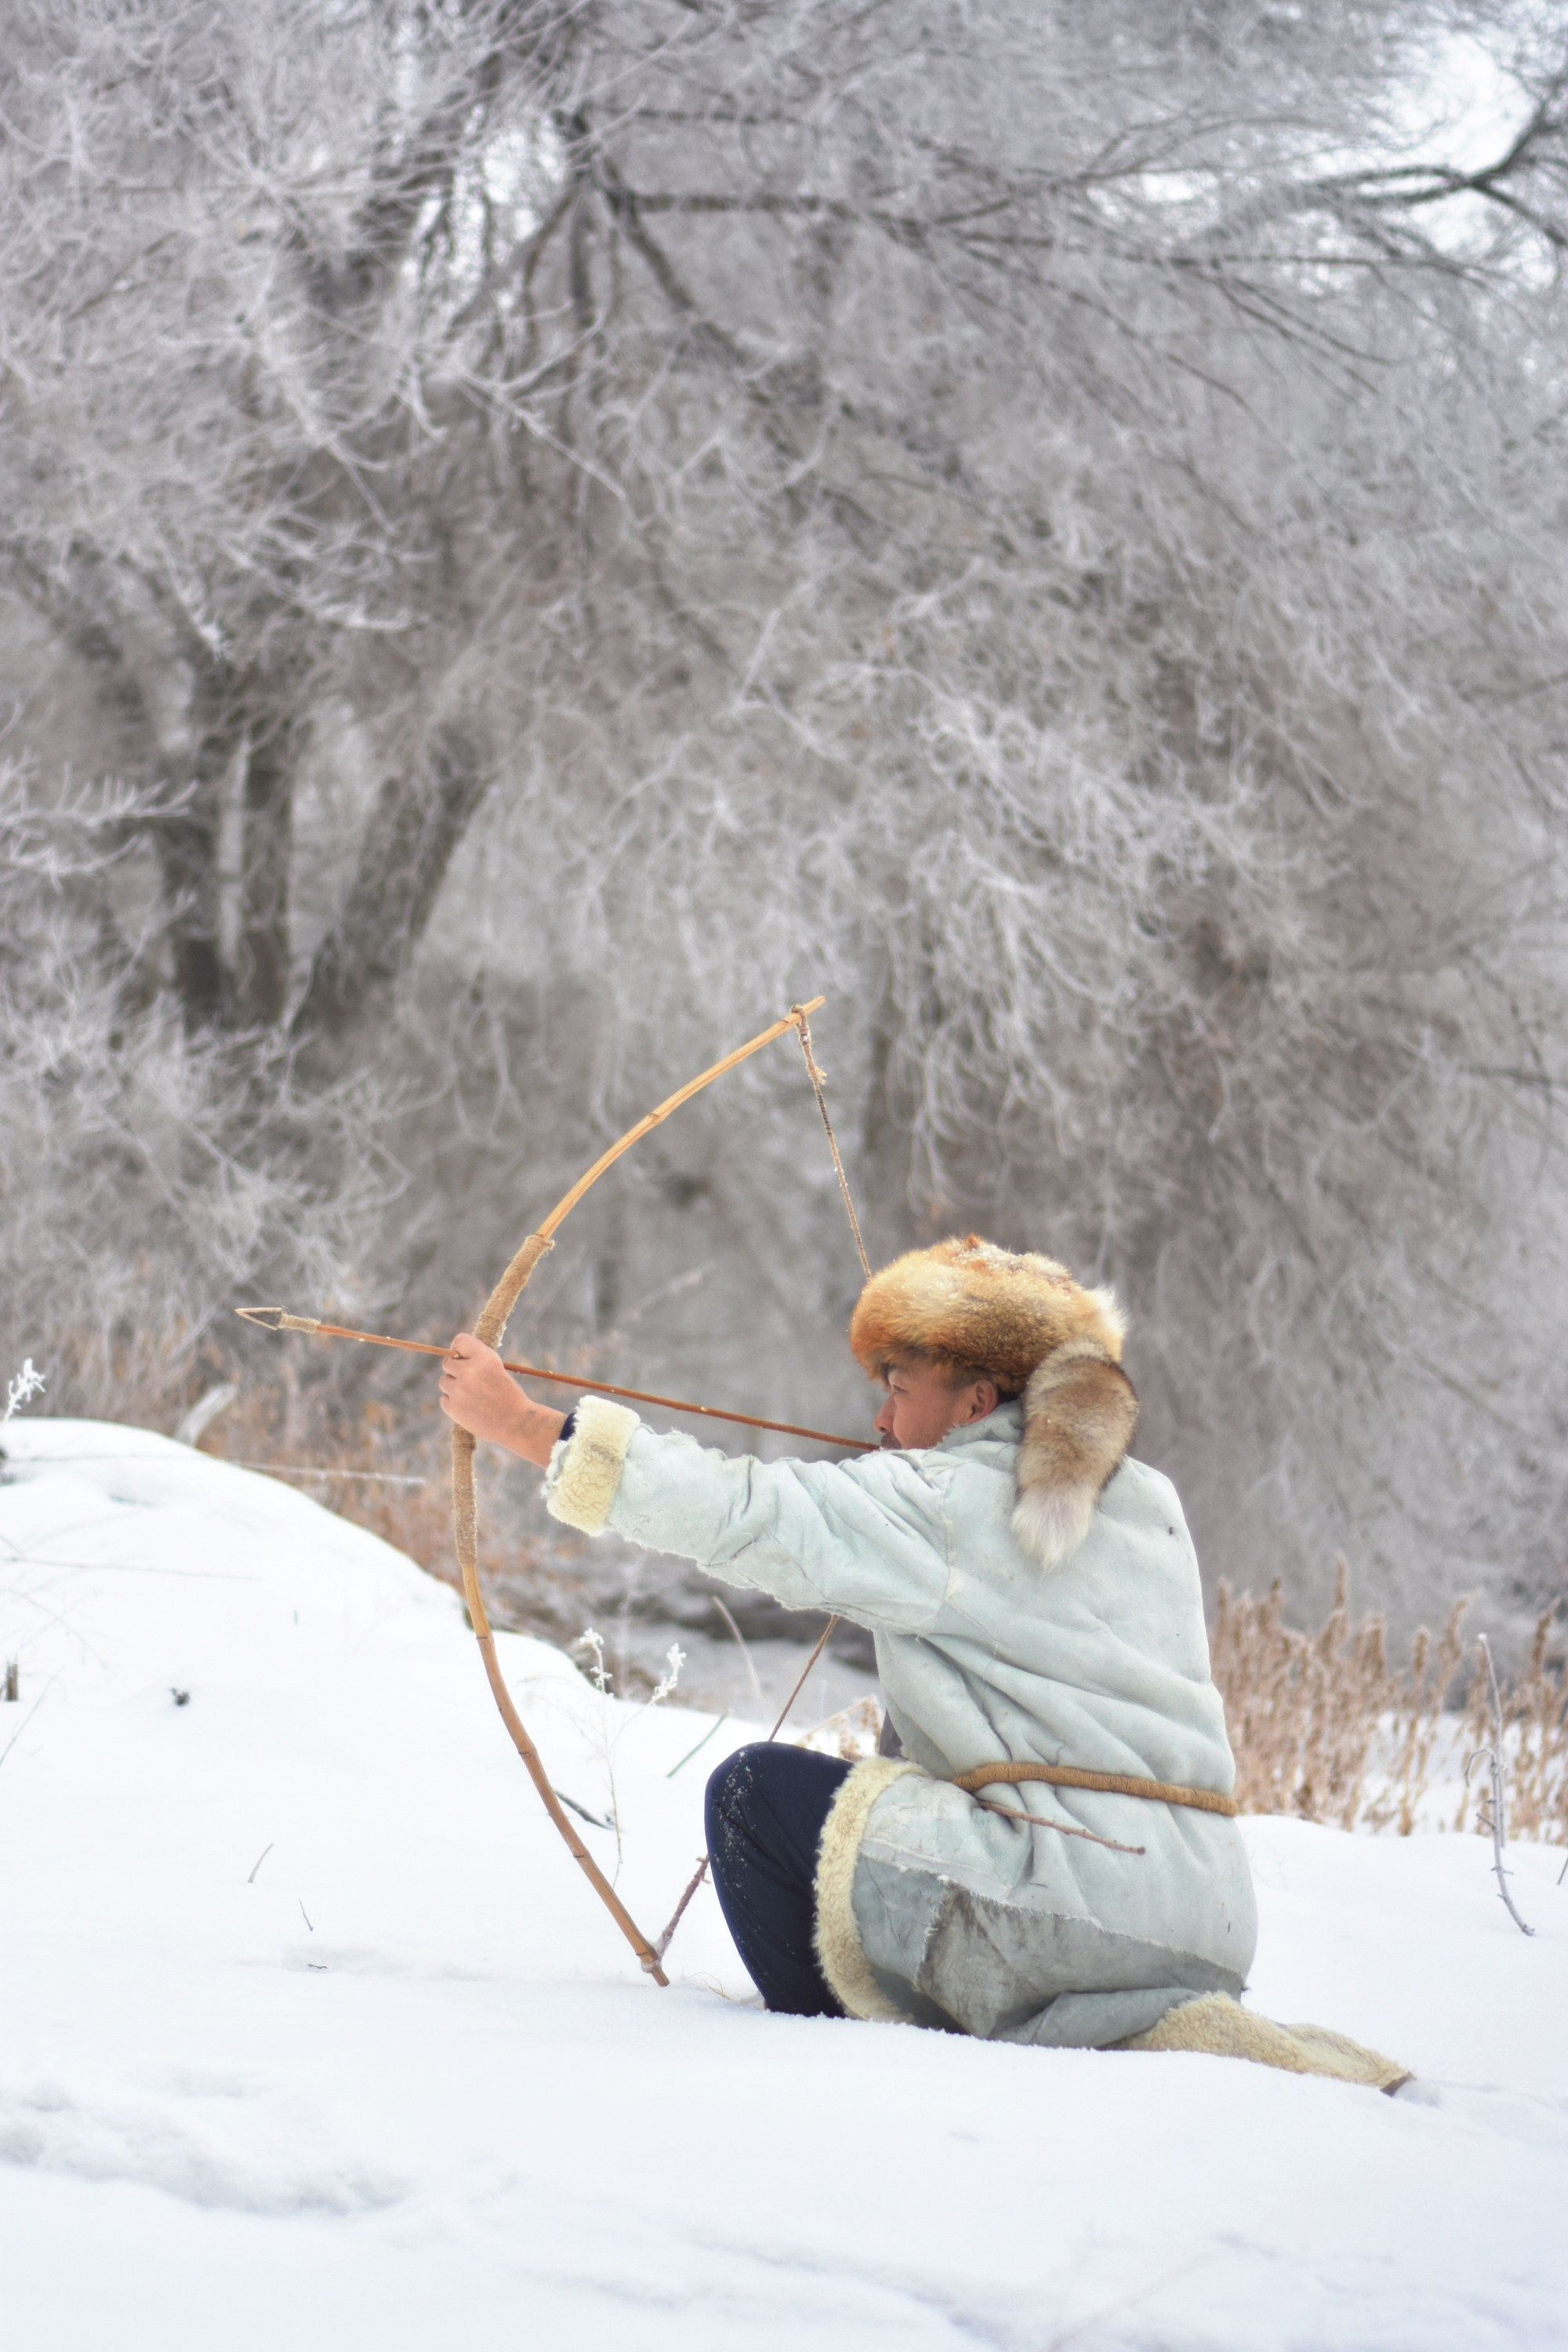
(592, 1644)
(1494, 1753)
(674, 1659)
(28, 1716)
(202, 1416)
(28, 1382)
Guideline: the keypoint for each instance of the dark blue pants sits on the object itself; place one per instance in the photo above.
(766, 1805)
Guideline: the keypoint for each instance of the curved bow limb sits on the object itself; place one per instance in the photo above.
(490, 1327)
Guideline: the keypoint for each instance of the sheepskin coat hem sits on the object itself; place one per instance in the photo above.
(838, 1945)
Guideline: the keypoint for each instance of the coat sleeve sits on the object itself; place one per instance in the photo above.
(868, 1538)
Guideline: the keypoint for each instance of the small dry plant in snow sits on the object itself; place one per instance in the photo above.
(850, 1734)
(1534, 1740)
(590, 1646)
(1322, 1727)
(28, 1382)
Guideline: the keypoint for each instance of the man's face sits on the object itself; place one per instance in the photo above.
(920, 1407)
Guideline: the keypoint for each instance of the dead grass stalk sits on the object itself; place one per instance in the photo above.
(1322, 1727)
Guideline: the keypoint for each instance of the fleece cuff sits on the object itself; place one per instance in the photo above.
(838, 1945)
(586, 1469)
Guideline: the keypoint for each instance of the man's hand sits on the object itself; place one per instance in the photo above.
(480, 1395)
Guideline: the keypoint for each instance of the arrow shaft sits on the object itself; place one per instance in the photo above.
(317, 1330)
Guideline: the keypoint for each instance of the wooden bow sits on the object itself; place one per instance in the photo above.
(490, 1327)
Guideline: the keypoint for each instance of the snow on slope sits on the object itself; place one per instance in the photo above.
(398, 2084)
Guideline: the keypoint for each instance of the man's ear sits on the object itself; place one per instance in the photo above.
(986, 1396)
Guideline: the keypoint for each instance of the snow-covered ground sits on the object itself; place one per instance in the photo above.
(314, 2036)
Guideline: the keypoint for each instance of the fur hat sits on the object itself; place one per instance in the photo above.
(1024, 1322)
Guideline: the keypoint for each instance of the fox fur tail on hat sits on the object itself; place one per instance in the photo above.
(1022, 1321)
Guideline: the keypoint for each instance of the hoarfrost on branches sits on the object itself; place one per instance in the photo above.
(572, 528)
(23, 1385)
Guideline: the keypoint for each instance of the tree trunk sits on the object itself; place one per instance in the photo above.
(262, 977)
(187, 860)
(81, 603)
(414, 828)
(189, 844)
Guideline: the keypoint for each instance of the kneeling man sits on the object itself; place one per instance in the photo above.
(1054, 1859)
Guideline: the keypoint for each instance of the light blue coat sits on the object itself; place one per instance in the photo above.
(931, 1907)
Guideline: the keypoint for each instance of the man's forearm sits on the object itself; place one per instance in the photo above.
(532, 1433)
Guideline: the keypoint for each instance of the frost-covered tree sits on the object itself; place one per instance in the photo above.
(580, 522)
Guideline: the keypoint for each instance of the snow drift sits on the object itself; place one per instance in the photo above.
(315, 2035)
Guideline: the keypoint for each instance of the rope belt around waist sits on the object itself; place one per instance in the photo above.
(1120, 1784)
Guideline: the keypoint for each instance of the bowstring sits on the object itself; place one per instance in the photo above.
(818, 1077)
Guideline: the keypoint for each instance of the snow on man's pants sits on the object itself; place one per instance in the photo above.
(766, 1806)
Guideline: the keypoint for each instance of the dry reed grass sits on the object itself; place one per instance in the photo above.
(1322, 1727)
(851, 1734)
